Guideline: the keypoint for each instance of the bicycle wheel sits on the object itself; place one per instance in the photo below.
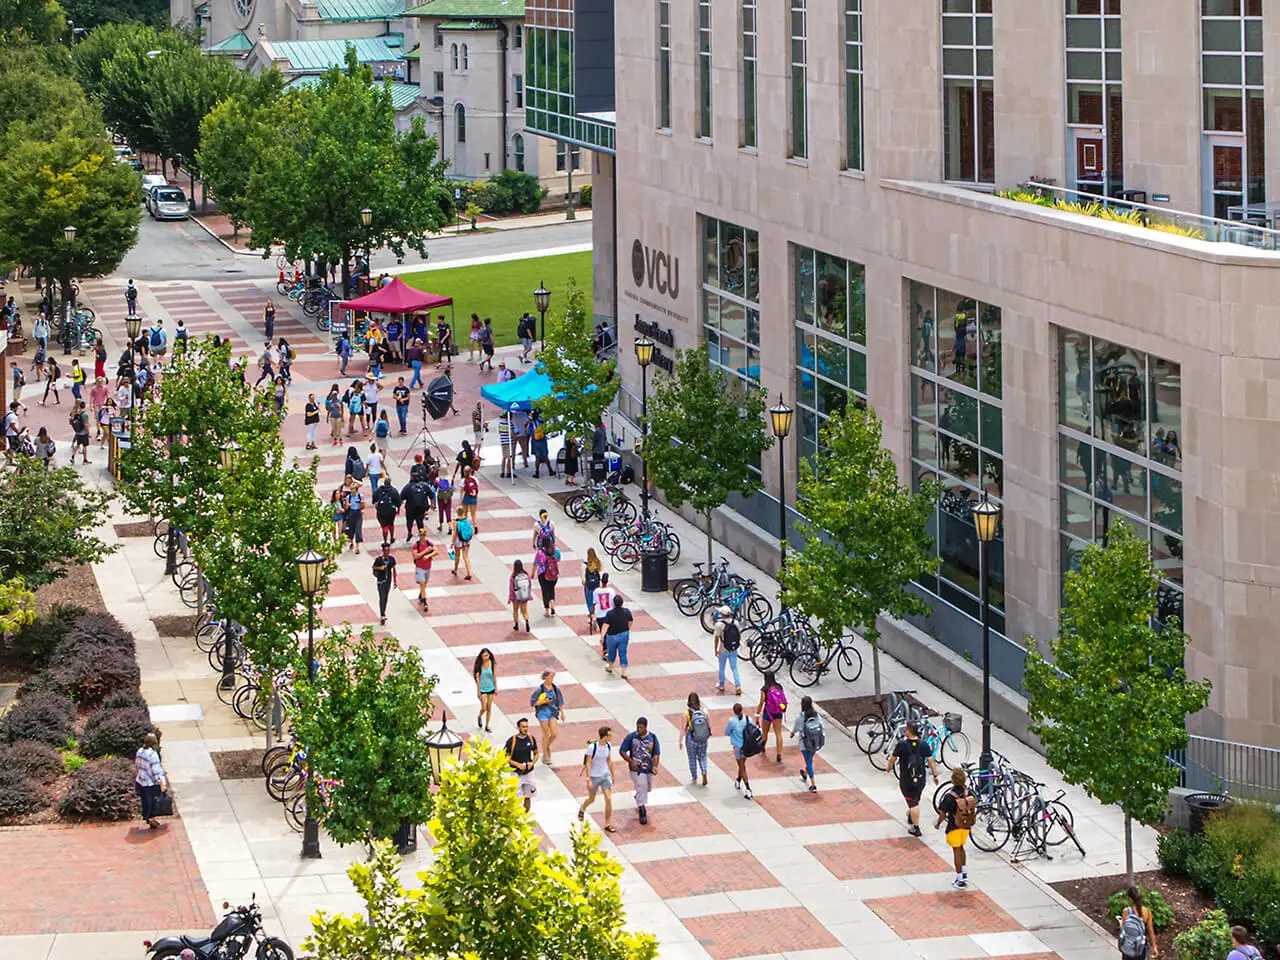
(766, 653)
(160, 545)
(285, 780)
(226, 694)
(181, 572)
(611, 537)
(624, 511)
(954, 750)
(689, 598)
(757, 610)
(708, 617)
(576, 507)
(627, 555)
(275, 755)
(990, 830)
(243, 701)
(1059, 824)
(869, 731)
(189, 590)
(881, 751)
(805, 670)
(673, 547)
(295, 812)
(939, 792)
(849, 664)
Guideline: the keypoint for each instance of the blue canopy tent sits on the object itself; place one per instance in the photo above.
(520, 393)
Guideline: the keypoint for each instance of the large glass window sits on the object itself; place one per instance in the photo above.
(799, 108)
(831, 339)
(550, 98)
(731, 298)
(704, 69)
(853, 84)
(957, 433)
(968, 92)
(460, 122)
(749, 39)
(517, 144)
(1119, 456)
(664, 64)
(1095, 119)
(1234, 161)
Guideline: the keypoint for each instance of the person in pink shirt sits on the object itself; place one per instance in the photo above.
(97, 398)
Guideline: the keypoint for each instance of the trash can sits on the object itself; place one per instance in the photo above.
(653, 572)
(1200, 805)
(598, 470)
(406, 838)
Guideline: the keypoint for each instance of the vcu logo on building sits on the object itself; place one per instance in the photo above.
(655, 269)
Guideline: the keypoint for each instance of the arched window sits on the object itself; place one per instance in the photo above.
(464, 56)
(460, 121)
(518, 143)
(453, 55)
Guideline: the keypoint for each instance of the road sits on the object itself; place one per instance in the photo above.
(184, 251)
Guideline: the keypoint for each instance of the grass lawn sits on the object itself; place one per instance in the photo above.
(503, 291)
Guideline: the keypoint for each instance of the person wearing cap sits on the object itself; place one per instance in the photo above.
(503, 373)
(728, 638)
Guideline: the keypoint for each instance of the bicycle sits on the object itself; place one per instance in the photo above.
(779, 641)
(870, 732)
(807, 670)
(747, 605)
(296, 809)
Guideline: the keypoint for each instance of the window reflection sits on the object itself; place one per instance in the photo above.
(730, 313)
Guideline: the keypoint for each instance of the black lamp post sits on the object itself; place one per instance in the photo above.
(132, 328)
(227, 454)
(644, 356)
(68, 237)
(542, 300)
(986, 520)
(781, 416)
(366, 218)
(310, 571)
(442, 746)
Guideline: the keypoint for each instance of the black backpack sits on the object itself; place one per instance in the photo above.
(732, 637)
(913, 767)
(592, 580)
(752, 740)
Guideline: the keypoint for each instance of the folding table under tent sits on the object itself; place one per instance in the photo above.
(396, 297)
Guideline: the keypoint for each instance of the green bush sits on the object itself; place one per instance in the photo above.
(89, 673)
(99, 630)
(1174, 849)
(101, 790)
(44, 680)
(72, 761)
(115, 731)
(1210, 939)
(34, 759)
(19, 794)
(35, 643)
(510, 191)
(1153, 900)
(584, 196)
(44, 716)
(125, 698)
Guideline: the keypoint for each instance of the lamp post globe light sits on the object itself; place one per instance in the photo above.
(310, 572)
(542, 300)
(366, 217)
(986, 522)
(442, 746)
(644, 356)
(780, 416)
(69, 238)
(229, 453)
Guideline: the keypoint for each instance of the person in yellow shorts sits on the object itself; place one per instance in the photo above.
(958, 807)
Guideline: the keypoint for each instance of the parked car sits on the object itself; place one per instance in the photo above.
(149, 183)
(169, 203)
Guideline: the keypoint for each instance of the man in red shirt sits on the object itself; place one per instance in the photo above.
(424, 551)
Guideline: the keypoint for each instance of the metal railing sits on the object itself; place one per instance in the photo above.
(1223, 766)
(1211, 229)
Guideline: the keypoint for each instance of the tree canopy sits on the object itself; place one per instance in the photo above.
(1112, 702)
(704, 437)
(30, 22)
(584, 387)
(47, 519)
(865, 534)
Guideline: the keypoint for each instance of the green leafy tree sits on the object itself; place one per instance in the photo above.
(30, 22)
(584, 387)
(94, 14)
(227, 142)
(704, 437)
(313, 159)
(47, 519)
(491, 893)
(362, 722)
(865, 534)
(62, 180)
(37, 100)
(17, 607)
(1112, 704)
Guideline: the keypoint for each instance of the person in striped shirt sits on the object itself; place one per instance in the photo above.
(150, 779)
(506, 442)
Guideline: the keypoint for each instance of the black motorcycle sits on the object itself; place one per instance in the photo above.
(230, 939)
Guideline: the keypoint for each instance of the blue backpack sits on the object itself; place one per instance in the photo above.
(465, 530)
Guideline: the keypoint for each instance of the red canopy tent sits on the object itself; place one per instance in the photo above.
(398, 297)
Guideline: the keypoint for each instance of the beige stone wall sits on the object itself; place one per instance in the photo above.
(1207, 307)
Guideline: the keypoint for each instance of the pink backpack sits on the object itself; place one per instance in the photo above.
(775, 701)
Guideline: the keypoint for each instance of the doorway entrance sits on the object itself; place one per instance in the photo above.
(1223, 174)
(1088, 157)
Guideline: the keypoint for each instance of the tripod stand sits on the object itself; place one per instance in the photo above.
(428, 440)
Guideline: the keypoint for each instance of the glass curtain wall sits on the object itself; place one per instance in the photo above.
(968, 92)
(831, 339)
(1095, 103)
(1234, 161)
(731, 298)
(549, 78)
(957, 434)
(1119, 454)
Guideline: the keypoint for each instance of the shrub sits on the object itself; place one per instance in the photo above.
(511, 190)
(90, 672)
(19, 794)
(44, 680)
(115, 730)
(1174, 850)
(125, 697)
(35, 643)
(37, 760)
(45, 716)
(1153, 900)
(101, 790)
(584, 196)
(1210, 939)
(73, 761)
(99, 630)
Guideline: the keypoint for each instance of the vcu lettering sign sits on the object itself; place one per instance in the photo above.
(655, 269)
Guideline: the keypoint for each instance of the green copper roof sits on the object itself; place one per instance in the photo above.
(316, 56)
(340, 10)
(468, 25)
(236, 43)
(403, 95)
(414, 54)
(469, 9)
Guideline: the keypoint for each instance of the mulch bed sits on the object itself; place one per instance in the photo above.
(1091, 893)
(849, 710)
(238, 764)
(79, 587)
(175, 626)
(137, 528)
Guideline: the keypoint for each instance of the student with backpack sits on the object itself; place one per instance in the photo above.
(590, 584)
(958, 807)
(617, 636)
(1241, 948)
(728, 638)
(548, 703)
(747, 740)
(470, 497)
(1137, 937)
(813, 737)
(643, 753)
(546, 564)
(911, 757)
(697, 733)
(597, 764)
(444, 502)
(519, 593)
(463, 533)
(384, 574)
(770, 709)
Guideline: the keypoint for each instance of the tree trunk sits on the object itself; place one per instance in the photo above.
(709, 541)
(346, 271)
(1128, 850)
(875, 658)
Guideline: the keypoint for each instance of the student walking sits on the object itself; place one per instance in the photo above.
(51, 374)
(813, 737)
(546, 564)
(958, 807)
(911, 757)
(444, 502)
(311, 420)
(423, 552)
(486, 343)
(696, 735)
(485, 672)
(544, 529)
(519, 593)
(643, 753)
(728, 638)
(416, 497)
(1137, 938)
(463, 533)
(386, 505)
(590, 584)
(1241, 948)
(470, 497)
(355, 517)
(604, 597)
(548, 704)
(79, 432)
(77, 380)
(617, 636)
(400, 394)
(149, 778)
(597, 765)
(739, 729)
(521, 750)
(384, 572)
(334, 413)
(770, 710)
(382, 432)
(373, 465)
